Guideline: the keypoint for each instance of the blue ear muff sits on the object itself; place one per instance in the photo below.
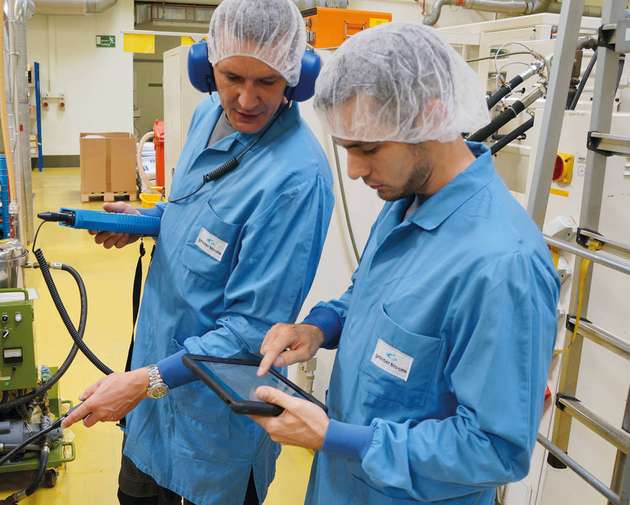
(200, 69)
(305, 88)
(202, 78)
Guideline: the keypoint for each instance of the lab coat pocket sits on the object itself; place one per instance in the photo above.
(400, 367)
(210, 246)
(197, 401)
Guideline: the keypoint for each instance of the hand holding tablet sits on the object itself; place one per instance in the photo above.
(235, 382)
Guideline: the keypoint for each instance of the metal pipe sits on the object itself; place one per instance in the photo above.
(582, 472)
(583, 80)
(503, 6)
(18, 12)
(436, 9)
(24, 10)
(7, 186)
(602, 337)
(599, 257)
(517, 7)
(588, 10)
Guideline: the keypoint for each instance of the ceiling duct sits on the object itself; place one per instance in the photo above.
(72, 7)
(173, 15)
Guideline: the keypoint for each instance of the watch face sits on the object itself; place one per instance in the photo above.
(158, 391)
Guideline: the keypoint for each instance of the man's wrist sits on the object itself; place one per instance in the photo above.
(316, 333)
(328, 322)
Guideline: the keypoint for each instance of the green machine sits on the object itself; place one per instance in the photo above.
(20, 419)
(18, 369)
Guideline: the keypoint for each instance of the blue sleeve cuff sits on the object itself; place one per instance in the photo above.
(327, 320)
(156, 211)
(350, 440)
(173, 371)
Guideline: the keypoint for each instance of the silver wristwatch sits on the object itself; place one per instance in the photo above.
(157, 387)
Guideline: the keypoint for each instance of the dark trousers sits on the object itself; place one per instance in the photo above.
(138, 488)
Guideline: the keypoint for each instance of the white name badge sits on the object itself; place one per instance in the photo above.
(210, 244)
(391, 360)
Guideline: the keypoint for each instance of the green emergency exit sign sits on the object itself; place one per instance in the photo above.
(106, 41)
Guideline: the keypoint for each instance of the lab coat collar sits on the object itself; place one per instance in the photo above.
(436, 209)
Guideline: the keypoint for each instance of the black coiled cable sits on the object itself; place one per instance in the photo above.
(54, 293)
(219, 172)
(213, 175)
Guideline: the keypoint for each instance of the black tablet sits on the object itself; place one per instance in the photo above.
(235, 381)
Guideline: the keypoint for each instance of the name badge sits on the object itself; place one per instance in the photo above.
(210, 244)
(391, 360)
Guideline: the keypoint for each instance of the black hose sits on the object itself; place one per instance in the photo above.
(54, 293)
(587, 43)
(13, 499)
(504, 90)
(585, 76)
(513, 135)
(621, 62)
(41, 470)
(39, 391)
(498, 122)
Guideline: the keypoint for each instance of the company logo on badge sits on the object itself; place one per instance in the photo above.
(391, 360)
(210, 244)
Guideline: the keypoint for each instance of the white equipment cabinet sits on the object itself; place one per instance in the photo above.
(180, 100)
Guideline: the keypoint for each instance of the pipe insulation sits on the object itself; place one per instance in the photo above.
(514, 7)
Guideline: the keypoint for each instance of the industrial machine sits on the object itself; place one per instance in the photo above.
(29, 394)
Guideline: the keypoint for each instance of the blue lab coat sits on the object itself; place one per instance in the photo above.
(444, 343)
(229, 262)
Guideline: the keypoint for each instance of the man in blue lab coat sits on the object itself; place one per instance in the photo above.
(445, 335)
(234, 255)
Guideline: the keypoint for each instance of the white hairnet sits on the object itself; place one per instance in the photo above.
(399, 82)
(272, 31)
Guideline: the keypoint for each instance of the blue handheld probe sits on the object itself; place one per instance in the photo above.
(134, 224)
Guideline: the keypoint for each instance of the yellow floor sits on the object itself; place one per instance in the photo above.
(108, 277)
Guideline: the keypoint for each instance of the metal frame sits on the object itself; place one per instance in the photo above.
(601, 144)
(600, 257)
(582, 472)
(602, 337)
(553, 115)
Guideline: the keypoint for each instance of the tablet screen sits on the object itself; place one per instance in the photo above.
(242, 379)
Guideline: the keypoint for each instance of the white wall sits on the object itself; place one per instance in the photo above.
(149, 97)
(97, 82)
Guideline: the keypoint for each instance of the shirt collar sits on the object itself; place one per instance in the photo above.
(437, 208)
(288, 118)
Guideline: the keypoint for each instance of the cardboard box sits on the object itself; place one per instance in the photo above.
(108, 163)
